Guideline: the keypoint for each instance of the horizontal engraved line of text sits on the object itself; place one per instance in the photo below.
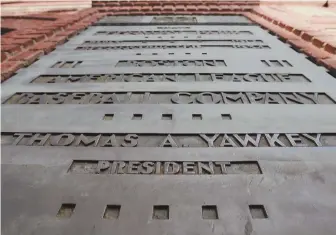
(251, 46)
(167, 77)
(165, 167)
(171, 98)
(171, 140)
(165, 32)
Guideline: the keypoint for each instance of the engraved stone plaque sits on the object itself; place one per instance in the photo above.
(172, 125)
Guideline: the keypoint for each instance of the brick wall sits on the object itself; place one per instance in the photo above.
(23, 7)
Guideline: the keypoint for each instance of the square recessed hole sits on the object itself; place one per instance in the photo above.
(226, 116)
(161, 212)
(167, 116)
(197, 116)
(258, 212)
(209, 212)
(112, 212)
(137, 116)
(66, 210)
(109, 116)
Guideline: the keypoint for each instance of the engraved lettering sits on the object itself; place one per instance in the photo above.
(316, 140)
(227, 142)
(131, 140)
(182, 98)
(222, 167)
(62, 140)
(20, 136)
(295, 140)
(40, 138)
(189, 168)
(274, 141)
(248, 140)
(180, 140)
(171, 168)
(176, 98)
(133, 167)
(102, 166)
(168, 142)
(84, 140)
(210, 141)
(147, 168)
(213, 98)
(205, 168)
(111, 142)
(120, 167)
(236, 98)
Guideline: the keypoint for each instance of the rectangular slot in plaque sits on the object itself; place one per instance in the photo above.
(108, 117)
(197, 116)
(161, 212)
(209, 212)
(112, 212)
(137, 116)
(66, 210)
(167, 116)
(258, 212)
(226, 116)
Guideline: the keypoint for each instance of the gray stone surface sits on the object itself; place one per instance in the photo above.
(73, 188)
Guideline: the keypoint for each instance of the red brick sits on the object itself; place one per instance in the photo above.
(203, 8)
(9, 68)
(318, 42)
(316, 52)
(146, 8)
(121, 13)
(46, 32)
(297, 32)
(168, 7)
(12, 49)
(330, 48)
(298, 43)
(112, 4)
(289, 28)
(140, 3)
(44, 46)
(27, 57)
(213, 7)
(58, 39)
(157, 8)
(283, 33)
(307, 37)
(67, 33)
(191, 8)
(135, 9)
(330, 63)
(179, 8)
(3, 56)
(35, 37)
